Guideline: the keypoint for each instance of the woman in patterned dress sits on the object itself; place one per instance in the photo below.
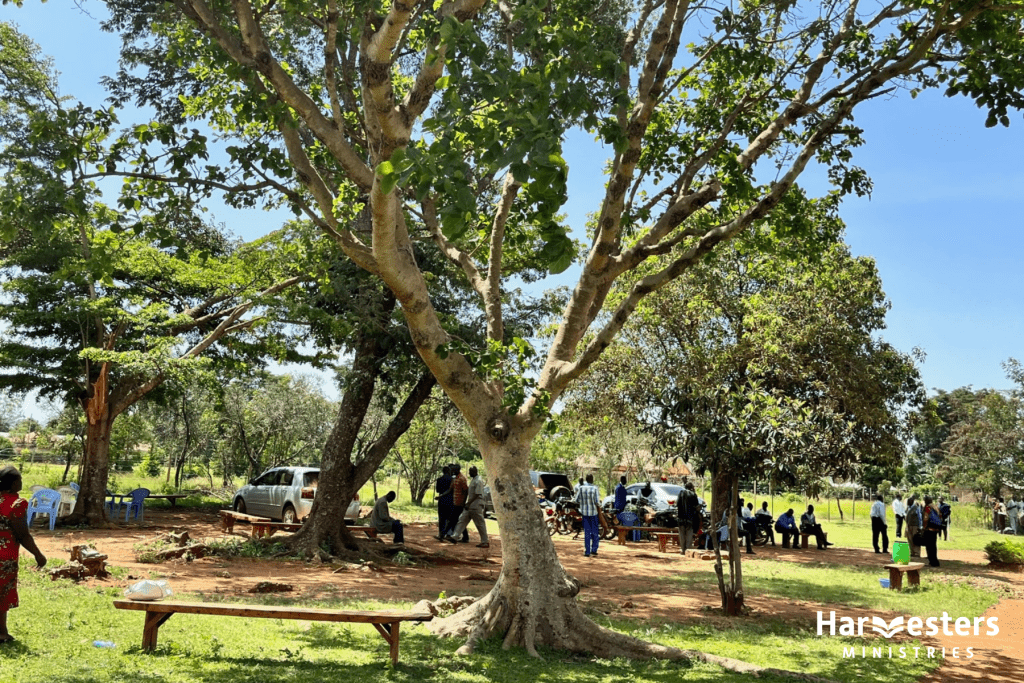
(13, 533)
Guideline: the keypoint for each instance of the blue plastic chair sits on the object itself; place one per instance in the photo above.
(629, 519)
(44, 502)
(136, 504)
(76, 487)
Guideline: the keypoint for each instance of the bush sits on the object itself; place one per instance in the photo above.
(1006, 552)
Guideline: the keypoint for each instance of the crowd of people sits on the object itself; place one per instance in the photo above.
(1008, 516)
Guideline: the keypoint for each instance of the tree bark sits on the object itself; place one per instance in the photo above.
(90, 507)
(341, 477)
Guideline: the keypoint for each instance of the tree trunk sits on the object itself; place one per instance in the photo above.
(340, 477)
(90, 507)
(533, 603)
(839, 507)
(724, 494)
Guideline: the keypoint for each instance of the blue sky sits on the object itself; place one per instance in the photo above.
(944, 222)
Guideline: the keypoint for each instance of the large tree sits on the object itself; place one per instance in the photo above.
(762, 362)
(446, 120)
(101, 304)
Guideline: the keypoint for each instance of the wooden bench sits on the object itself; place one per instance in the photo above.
(267, 528)
(803, 538)
(229, 517)
(173, 497)
(621, 531)
(896, 572)
(664, 538)
(386, 623)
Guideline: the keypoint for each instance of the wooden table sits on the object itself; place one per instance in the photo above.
(896, 572)
(157, 613)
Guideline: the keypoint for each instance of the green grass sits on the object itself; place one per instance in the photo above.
(848, 586)
(857, 534)
(58, 622)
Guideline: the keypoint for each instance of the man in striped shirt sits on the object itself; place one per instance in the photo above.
(588, 499)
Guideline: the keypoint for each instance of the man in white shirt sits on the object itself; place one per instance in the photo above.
(878, 525)
(899, 509)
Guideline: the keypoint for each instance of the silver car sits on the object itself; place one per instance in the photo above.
(285, 494)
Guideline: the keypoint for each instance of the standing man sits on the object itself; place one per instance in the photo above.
(945, 511)
(588, 500)
(932, 526)
(474, 510)
(786, 525)
(913, 525)
(899, 510)
(381, 520)
(1011, 514)
(689, 515)
(460, 489)
(878, 525)
(443, 489)
(620, 495)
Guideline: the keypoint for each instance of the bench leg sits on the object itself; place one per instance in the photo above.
(621, 536)
(662, 543)
(228, 524)
(149, 630)
(390, 633)
(914, 577)
(895, 580)
(803, 541)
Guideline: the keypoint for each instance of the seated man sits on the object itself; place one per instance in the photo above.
(809, 525)
(764, 519)
(786, 525)
(380, 518)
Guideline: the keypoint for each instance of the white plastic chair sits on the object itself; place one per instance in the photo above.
(67, 500)
(36, 487)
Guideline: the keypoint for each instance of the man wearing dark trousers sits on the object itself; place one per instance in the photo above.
(460, 489)
(689, 516)
(900, 512)
(443, 489)
(786, 525)
(878, 525)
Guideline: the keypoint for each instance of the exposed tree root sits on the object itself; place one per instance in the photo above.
(565, 627)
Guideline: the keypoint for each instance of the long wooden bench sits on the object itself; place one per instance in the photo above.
(173, 497)
(621, 531)
(386, 623)
(229, 517)
(266, 529)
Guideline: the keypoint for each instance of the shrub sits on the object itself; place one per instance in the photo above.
(1006, 552)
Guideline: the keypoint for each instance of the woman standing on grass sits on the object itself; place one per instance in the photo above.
(13, 534)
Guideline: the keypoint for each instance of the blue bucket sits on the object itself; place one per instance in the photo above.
(884, 583)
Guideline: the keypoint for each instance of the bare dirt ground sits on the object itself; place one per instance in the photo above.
(614, 581)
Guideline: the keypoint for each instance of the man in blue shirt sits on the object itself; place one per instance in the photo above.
(588, 499)
(620, 495)
(786, 525)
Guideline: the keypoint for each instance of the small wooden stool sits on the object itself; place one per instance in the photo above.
(896, 571)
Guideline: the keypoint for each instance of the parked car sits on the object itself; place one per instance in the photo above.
(663, 496)
(285, 494)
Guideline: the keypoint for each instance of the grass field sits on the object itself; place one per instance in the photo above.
(58, 622)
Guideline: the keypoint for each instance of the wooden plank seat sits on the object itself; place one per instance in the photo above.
(664, 538)
(173, 497)
(267, 528)
(386, 622)
(803, 539)
(229, 517)
(896, 572)
(621, 531)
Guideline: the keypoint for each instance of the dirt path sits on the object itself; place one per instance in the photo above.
(611, 580)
